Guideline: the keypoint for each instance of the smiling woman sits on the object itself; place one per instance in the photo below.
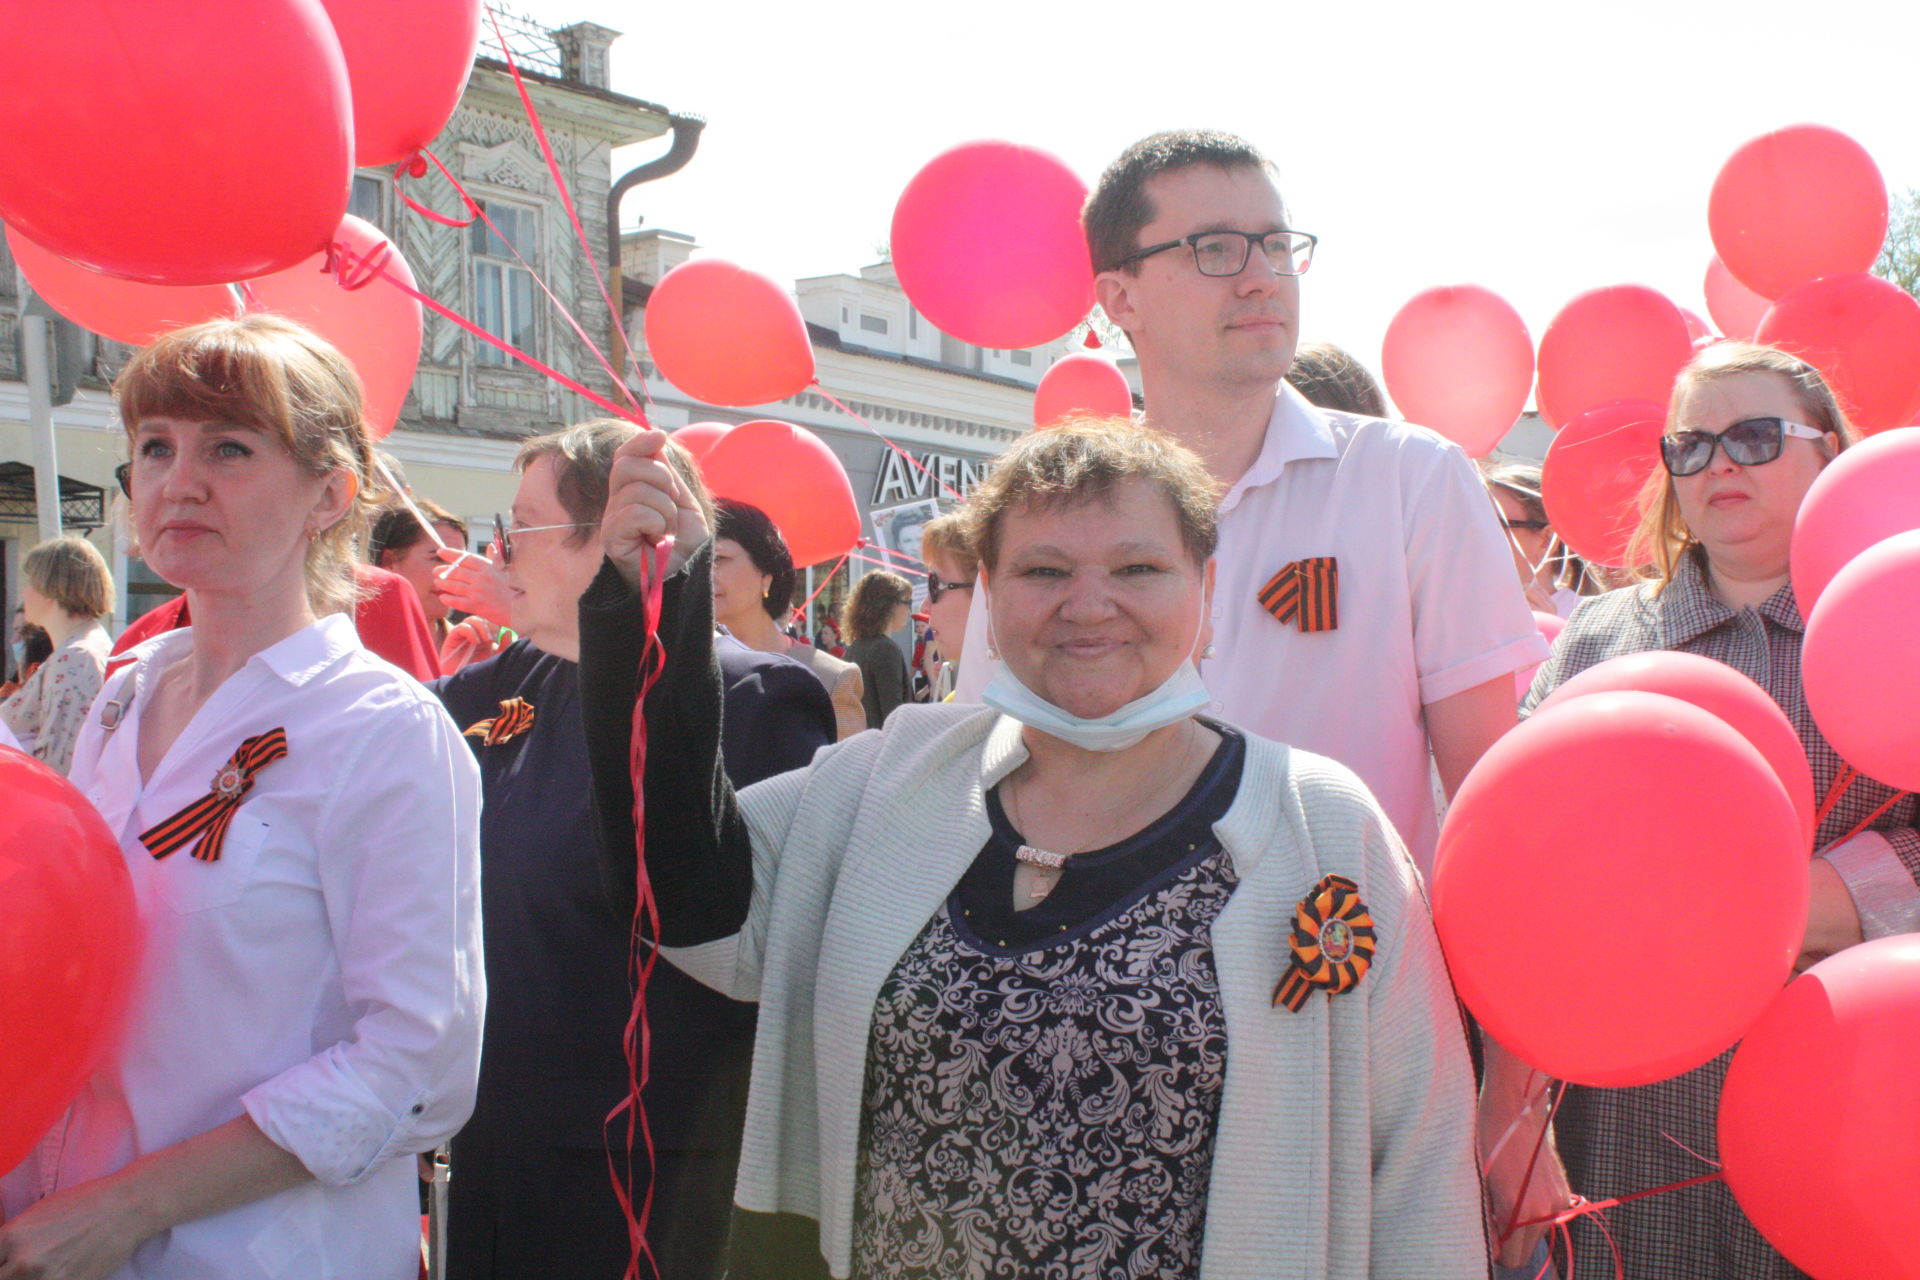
(1052, 934)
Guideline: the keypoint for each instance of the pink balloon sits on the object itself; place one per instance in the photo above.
(1737, 309)
(1858, 661)
(1621, 343)
(1569, 881)
(1594, 473)
(1869, 492)
(1863, 333)
(1459, 359)
(1551, 625)
(1698, 331)
(698, 438)
(188, 142)
(1819, 1122)
(1081, 385)
(1717, 688)
(727, 335)
(987, 244)
(789, 473)
(408, 61)
(1794, 204)
(376, 326)
(119, 309)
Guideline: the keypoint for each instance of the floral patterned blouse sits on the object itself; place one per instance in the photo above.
(1042, 1086)
(47, 711)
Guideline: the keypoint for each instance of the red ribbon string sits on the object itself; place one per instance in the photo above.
(1868, 821)
(803, 613)
(887, 564)
(566, 201)
(637, 1039)
(917, 464)
(1841, 782)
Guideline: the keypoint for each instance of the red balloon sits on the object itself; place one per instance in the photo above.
(1863, 685)
(1551, 625)
(1458, 359)
(789, 473)
(1570, 879)
(1819, 1121)
(119, 309)
(1594, 473)
(1698, 332)
(697, 438)
(1717, 688)
(1621, 343)
(987, 244)
(1863, 333)
(1081, 385)
(1737, 309)
(408, 61)
(727, 335)
(376, 326)
(191, 142)
(69, 942)
(1794, 204)
(1869, 492)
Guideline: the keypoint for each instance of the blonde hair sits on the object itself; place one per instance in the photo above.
(1088, 458)
(946, 537)
(1662, 536)
(283, 380)
(72, 573)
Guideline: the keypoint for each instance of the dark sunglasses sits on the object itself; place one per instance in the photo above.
(1749, 443)
(124, 474)
(937, 588)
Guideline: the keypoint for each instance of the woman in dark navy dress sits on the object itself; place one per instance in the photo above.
(530, 1195)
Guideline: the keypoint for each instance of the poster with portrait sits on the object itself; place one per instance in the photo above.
(896, 532)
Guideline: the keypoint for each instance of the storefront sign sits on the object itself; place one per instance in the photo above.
(900, 481)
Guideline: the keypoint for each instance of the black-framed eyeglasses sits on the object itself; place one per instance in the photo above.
(1530, 526)
(937, 587)
(124, 474)
(1749, 443)
(503, 536)
(1225, 253)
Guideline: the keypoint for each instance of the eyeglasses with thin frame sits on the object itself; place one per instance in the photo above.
(503, 536)
(1749, 443)
(937, 587)
(1225, 253)
(1529, 526)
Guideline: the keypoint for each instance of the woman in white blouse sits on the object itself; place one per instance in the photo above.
(300, 821)
(68, 590)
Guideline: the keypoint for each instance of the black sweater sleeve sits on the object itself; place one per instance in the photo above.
(699, 854)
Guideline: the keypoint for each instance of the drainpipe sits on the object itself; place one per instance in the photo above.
(686, 139)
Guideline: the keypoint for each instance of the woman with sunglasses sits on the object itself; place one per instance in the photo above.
(530, 1194)
(1748, 430)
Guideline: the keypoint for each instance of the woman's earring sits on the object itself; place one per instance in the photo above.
(1209, 652)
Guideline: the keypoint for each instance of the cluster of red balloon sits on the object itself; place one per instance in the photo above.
(788, 472)
(149, 231)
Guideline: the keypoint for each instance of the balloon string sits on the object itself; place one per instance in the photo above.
(1868, 821)
(480, 215)
(637, 1038)
(921, 467)
(406, 500)
(629, 413)
(566, 201)
(417, 168)
(1539, 1144)
(804, 612)
(885, 564)
(1841, 782)
(891, 554)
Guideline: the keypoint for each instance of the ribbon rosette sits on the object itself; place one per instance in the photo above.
(1333, 943)
(515, 718)
(208, 818)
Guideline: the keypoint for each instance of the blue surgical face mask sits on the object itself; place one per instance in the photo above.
(19, 654)
(1177, 697)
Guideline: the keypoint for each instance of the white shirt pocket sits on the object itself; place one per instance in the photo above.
(189, 884)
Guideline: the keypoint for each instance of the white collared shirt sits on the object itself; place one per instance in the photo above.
(1428, 602)
(323, 976)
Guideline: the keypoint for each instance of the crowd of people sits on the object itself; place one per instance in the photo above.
(1101, 949)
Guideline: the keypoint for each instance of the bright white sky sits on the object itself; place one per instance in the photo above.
(1536, 147)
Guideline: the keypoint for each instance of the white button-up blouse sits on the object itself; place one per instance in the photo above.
(323, 975)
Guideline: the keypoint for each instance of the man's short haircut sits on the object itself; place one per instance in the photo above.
(583, 468)
(1119, 208)
(1330, 378)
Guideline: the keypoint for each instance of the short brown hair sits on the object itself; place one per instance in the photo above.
(946, 537)
(874, 598)
(396, 528)
(1085, 459)
(1662, 536)
(583, 458)
(1330, 378)
(279, 378)
(72, 573)
(1118, 207)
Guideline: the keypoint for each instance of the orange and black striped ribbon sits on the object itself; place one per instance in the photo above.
(1306, 592)
(515, 718)
(1332, 941)
(208, 818)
